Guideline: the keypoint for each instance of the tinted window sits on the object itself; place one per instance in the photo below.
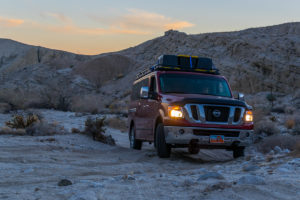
(194, 84)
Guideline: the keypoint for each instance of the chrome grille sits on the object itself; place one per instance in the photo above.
(204, 113)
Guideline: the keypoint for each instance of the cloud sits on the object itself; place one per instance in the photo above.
(134, 22)
(140, 21)
(10, 22)
(58, 16)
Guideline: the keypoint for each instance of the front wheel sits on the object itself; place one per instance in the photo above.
(134, 143)
(162, 148)
(238, 152)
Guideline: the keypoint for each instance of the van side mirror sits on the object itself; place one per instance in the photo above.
(144, 93)
(239, 96)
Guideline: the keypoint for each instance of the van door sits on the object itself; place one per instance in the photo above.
(151, 109)
(141, 127)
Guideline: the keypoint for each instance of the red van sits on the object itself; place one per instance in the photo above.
(182, 101)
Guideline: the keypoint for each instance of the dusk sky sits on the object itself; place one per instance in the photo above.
(96, 26)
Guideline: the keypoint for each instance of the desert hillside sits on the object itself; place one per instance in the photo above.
(254, 60)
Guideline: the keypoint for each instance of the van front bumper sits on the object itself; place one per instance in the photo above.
(184, 135)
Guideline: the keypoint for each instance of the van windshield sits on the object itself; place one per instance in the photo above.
(194, 84)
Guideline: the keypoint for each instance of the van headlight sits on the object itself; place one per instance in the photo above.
(248, 116)
(175, 111)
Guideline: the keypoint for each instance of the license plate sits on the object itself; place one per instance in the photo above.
(216, 139)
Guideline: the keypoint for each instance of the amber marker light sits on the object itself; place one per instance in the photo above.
(175, 111)
(249, 116)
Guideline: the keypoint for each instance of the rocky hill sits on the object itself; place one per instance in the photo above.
(254, 60)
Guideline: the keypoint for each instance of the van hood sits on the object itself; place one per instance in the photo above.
(182, 99)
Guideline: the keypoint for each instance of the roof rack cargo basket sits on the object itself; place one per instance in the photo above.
(182, 63)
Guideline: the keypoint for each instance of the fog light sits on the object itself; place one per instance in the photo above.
(181, 131)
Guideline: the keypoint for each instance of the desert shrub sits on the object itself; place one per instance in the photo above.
(117, 123)
(259, 114)
(87, 103)
(290, 123)
(271, 97)
(269, 128)
(95, 127)
(296, 151)
(22, 122)
(278, 109)
(296, 128)
(4, 107)
(283, 141)
(289, 110)
(75, 130)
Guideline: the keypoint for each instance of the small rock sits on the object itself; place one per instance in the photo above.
(187, 183)
(269, 158)
(128, 177)
(251, 180)
(212, 175)
(250, 167)
(286, 151)
(217, 186)
(277, 149)
(64, 182)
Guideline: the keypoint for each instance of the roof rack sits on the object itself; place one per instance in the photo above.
(181, 63)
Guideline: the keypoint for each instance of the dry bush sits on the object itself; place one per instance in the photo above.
(95, 128)
(290, 123)
(259, 114)
(20, 98)
(117, 123)
(75, 130)
(4, 107)
(269, 128)
(296, 151)
(283, 141)
(87, 103)
(22, 122)
(296, 128)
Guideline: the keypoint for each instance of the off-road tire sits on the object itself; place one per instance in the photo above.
(134, 143)
(238, 152)
(162, 148)
(193, 149)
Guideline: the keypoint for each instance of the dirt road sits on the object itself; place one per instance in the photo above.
(31, 167)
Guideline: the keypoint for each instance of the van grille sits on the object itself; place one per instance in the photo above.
(215, 114)
(211, 117)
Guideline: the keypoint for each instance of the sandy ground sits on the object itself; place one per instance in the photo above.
(31, 167)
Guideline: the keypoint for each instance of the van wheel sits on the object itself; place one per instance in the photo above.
(162, 148)
(238, 152)
(134, 143)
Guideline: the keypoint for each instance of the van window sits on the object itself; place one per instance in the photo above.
(136, 88)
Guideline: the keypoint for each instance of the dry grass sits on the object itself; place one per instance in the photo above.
(11, 131)
(267, 127)
(290, 123)
(283, 141)
(117, 123)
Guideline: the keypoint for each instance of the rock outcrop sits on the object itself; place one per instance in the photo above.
(253, 60)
